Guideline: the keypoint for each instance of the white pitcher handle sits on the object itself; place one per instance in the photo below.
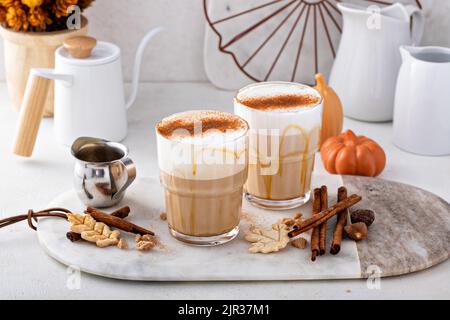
(418, 23)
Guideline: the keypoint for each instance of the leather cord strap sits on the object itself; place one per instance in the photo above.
(31, 215)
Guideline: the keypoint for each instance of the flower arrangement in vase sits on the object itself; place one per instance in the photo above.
(32, 30)
(38, 15)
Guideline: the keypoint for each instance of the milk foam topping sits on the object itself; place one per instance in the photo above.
(283, 113)
(202, 145)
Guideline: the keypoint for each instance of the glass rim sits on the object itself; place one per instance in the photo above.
(300, 110)
(243, 135)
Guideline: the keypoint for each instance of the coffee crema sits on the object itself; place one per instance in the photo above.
(198, 123)
(280, 102)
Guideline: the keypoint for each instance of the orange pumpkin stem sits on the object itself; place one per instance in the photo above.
(349, 134)
(320, 82)
(350, 138)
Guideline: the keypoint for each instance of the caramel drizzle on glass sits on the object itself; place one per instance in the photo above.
(267, 179)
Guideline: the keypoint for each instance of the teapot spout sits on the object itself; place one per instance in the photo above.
(137, 64)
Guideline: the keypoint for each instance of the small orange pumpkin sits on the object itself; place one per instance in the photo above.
(347, 153)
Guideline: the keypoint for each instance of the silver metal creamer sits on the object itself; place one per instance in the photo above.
(103, 171)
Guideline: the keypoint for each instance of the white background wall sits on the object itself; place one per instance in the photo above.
(177, 55)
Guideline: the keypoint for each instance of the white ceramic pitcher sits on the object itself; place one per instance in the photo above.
(422, 101)
(89, 93)
(365, 70)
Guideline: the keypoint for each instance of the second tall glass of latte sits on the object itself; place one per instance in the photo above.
(285, 120)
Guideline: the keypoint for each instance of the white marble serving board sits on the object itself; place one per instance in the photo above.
(176, 261)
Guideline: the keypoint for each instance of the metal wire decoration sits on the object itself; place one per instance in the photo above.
(267, 38)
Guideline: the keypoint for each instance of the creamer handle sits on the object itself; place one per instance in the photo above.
(129, 166)
(32, 109)
(418, 23)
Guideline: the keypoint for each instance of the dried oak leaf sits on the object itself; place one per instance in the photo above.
(266, 241)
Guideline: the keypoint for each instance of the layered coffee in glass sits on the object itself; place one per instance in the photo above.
(203, 161)
(285, 120)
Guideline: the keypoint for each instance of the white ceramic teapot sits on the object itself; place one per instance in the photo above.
(89, 93)
(365, 70)
(422, 101)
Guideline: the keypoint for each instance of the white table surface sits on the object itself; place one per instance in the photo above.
(27, 272)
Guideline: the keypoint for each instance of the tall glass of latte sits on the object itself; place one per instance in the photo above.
(203, 161)
(285, 120)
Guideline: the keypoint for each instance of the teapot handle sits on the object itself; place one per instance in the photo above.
(418, 23)
(32, 108)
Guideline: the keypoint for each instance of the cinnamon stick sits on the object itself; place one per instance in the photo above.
(323, 216)
(116, 222)
(121, 213)
(73, 236)
(315, 233)
(323, 226)
(340, 224)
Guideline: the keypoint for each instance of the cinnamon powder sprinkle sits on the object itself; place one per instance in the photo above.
(280, 102)
(190, 123)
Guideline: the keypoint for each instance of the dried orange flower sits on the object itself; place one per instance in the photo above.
(84, 3)
(16, 18)
(2, 14)
(7, 3)
(32, 3)
(38, 18)
(60, 7)
(37, 15)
